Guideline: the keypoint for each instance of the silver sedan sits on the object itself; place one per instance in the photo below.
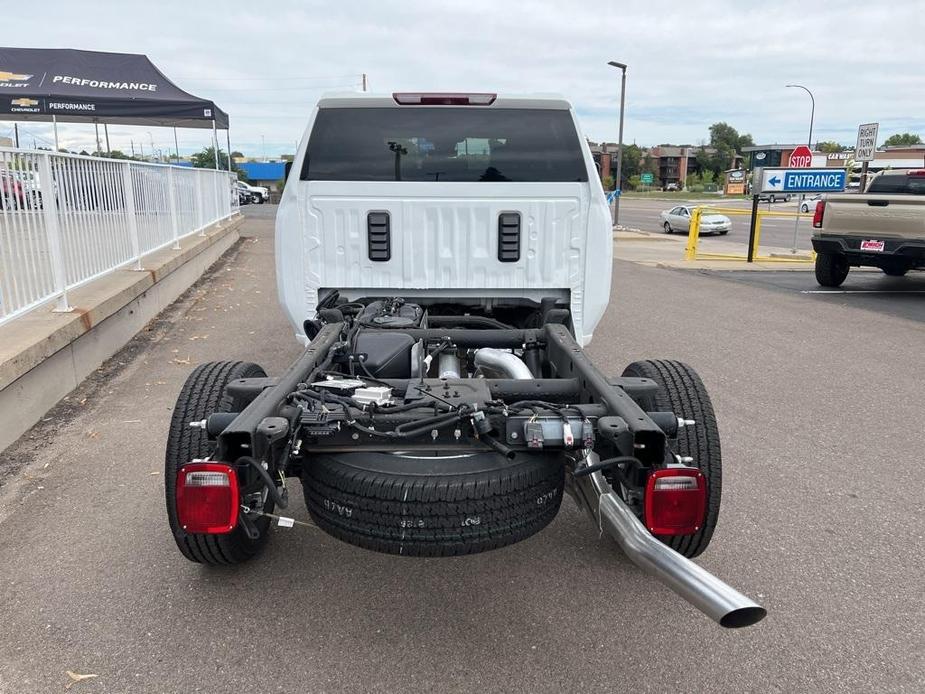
(679, 219)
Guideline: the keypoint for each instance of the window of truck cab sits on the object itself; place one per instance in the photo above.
(449, 144)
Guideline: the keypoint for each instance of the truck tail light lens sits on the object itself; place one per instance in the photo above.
(429, 99)
(818, 214)
(207, 498)
(918, 173)
(675, 501)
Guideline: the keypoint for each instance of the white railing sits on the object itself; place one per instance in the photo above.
(67, 219)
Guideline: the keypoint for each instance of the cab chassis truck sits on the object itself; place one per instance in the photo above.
(440, 417)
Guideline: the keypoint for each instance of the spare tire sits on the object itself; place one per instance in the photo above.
(430, 505)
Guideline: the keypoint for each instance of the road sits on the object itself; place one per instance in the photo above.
(640, 213)
(819, 404)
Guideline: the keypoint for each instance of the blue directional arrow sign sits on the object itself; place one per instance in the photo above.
(803, 180)
(814, 180)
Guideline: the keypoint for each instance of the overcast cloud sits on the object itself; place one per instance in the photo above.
(690, 63)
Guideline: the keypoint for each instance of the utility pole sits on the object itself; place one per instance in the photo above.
(16, 135)
(106, 132)
(364, 81)
(619, 186)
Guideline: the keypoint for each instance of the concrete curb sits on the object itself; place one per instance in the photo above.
(45, 355)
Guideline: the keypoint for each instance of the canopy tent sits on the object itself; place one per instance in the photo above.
(70, 86)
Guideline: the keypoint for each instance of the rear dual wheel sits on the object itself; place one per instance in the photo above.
(202, 395)
(681, 391)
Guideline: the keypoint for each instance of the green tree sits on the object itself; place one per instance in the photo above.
(727, 142)
(206, 159)
(829, 147)
(903, 140)
(115, 154)
(632, 162)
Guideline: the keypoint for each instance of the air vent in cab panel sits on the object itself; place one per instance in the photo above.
(509, 237)
(379, 236)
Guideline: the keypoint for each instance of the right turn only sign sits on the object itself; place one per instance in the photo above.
(867, 142)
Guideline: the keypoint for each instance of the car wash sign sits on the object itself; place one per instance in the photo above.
(801, 180)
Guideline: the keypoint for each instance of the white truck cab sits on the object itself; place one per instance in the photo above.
(488, 202)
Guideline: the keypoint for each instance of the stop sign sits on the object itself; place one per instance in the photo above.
(801, 158)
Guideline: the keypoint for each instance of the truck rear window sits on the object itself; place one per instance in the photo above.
(901, 184)
(444, 144)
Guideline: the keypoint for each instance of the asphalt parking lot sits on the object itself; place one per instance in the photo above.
(642, 213)
(866, 289)
(819, 403)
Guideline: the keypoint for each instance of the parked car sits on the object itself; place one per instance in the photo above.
(883, 227)
(679, 219)
(774, 197)
(245, 196)
(808, 204)
(259, 194)
(672, 187)
(443, 403)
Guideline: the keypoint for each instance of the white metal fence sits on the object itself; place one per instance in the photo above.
(67, 219)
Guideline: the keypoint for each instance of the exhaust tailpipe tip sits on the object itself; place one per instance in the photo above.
(716, 599)
(743, 617)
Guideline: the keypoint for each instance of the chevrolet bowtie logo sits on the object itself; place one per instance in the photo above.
(13, 77)
(25, 103)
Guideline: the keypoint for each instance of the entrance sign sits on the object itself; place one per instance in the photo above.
(822, 180)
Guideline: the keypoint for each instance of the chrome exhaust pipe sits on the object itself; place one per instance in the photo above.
(719, 601)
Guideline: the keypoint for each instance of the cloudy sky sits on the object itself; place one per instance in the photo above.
(690, 63)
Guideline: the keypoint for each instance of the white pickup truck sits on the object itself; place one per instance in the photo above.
(444, 258)
(884, 228)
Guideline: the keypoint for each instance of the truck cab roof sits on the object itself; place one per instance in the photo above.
(475, 99)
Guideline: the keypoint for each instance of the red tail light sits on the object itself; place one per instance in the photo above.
(918, 173)
(417, 99)
(207, 498)
(675, 501)
(818, 214)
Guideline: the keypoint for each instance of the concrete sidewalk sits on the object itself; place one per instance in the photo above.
(667, 251)
(45, 354)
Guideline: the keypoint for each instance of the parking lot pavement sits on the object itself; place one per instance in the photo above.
(868, 289)
(819, 409)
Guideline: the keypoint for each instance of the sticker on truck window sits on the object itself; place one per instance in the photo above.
(872, 245)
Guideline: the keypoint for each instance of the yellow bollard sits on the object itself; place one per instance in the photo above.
(692, 235)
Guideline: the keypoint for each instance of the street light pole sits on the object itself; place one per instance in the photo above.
(812, 113)
(809, 143)
(616, 200)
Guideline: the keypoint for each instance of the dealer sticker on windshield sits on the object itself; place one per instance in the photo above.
(871, 245)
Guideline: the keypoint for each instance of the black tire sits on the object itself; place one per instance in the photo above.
(435, 506)
(723, 233)
(895, 271)
(202, 394)
(683, 393)
(668, 229)
(831, 269)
